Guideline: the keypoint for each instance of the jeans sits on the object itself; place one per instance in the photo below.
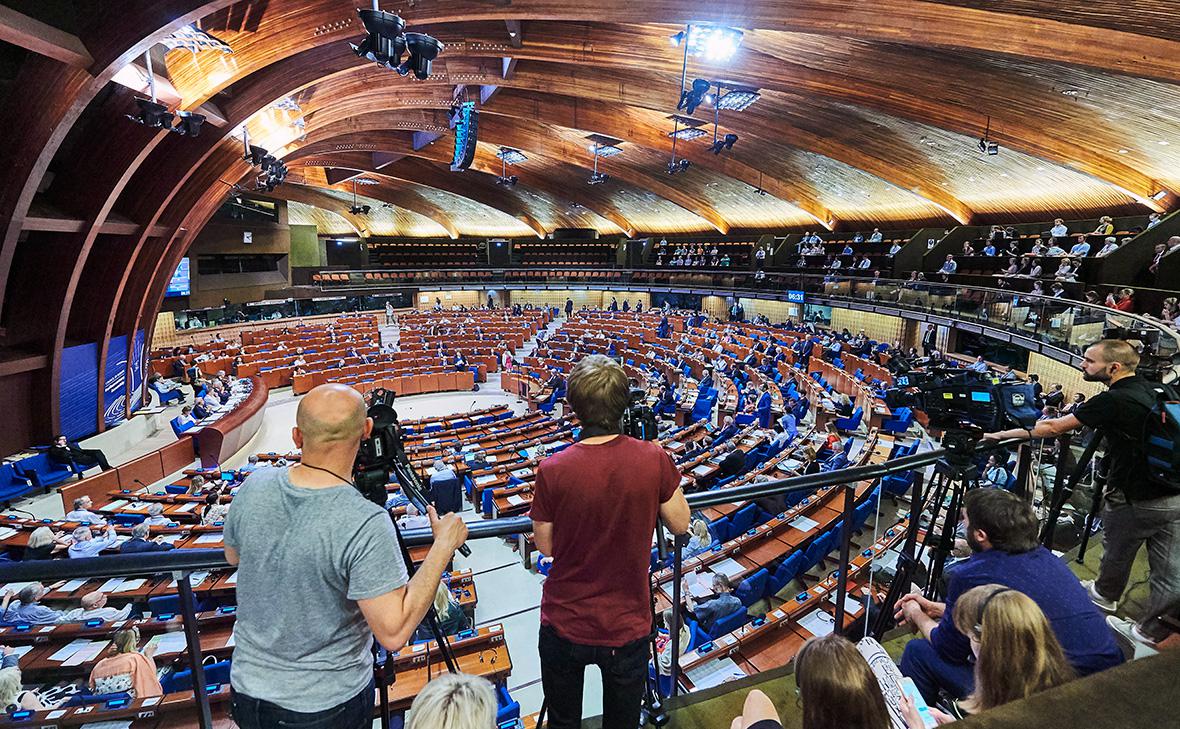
(931, 672)
(1126, 527)
(563, 671)
(355, 713)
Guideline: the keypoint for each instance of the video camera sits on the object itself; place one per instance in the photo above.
(382, 452)
(965, 400)
(639, 420)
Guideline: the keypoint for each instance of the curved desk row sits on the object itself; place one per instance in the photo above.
(213, 443)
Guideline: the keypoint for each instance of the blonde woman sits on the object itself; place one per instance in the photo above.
(43, 543)
(128, 670)
(451, 618)
(12, 696)
(699, 538)
(1016, 652)
(454, 701)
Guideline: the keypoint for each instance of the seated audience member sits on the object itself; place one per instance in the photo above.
(442, 472)
(699, 538)
(139, 541)
(664, 641)
(155, 515)
(1105, 226)
(1001, 530)
(196, 485)
(1059, 229)
(86, 545)
(1016, 653)
(413, 519)
(12, 694)
(1078, 399)
(723, 603)
(27, 607)
(454, 701)
(979, 365)
(129, 670)
(734, 461)
(71, 454)
(185, 420)
(215, 508)
(94, 606)
(994, 474)
(1081, 248)
(44, 543)
(1123, 299)
(82, 513)
(1110, 245)
(200, 410)
(451, 618)
(251, 466)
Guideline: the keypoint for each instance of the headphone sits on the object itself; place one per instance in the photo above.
(983, 608)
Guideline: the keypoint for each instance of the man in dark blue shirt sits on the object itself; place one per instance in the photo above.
(1002, 532)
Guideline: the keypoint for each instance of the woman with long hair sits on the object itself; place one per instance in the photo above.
(1017, 653)
(128, 670)
(454, 701)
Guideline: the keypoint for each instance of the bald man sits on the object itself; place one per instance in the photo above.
(319, 575)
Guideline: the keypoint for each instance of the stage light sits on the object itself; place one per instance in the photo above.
(679, 165)
(151, 114)
(422, 49)
(511, 156)
(690, 99)
(598, 178)
(737, 99)
(360, 209)
(676, 39)
(714, 42)
(386, 41)
(256, 155)
(189, 123)
(506, 181)
(724, 143)
(688, 133)
(989, 147)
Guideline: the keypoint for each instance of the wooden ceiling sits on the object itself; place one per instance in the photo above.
(869, 116)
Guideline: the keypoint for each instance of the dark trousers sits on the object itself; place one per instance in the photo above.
(563, 671)
(90, 457)
(355, 713)
(931, 672)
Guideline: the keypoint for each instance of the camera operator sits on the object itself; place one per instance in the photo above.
(319, 574)
(1137, 509)
(594, 511)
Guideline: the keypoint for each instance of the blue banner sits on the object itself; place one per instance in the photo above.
(78, 393)
(114, 381)
(138, 371)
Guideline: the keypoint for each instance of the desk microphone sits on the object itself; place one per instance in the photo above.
(26, 513)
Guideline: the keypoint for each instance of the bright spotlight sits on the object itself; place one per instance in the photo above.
(714, 42)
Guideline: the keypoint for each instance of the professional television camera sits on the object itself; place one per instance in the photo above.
(639, 420)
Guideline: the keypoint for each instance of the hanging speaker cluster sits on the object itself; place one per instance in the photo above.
(465, 121)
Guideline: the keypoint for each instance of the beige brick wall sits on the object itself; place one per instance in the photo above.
(426, 299)
(1051, 371)
(776, 311)
(557, 298)
(881, 327)
(715, 306)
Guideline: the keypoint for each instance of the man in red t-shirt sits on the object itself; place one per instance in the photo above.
(594, 511)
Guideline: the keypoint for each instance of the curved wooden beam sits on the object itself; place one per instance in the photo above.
(313, 197)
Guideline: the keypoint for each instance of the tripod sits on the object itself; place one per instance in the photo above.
(386, 676)
(1062, 490)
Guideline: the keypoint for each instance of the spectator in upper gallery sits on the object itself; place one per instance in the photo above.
(949, 266)
(1067, 271)
(1110, 245)
(1057, 290)
(876, 236)
(1161, 250)
(989, 248)
(1038, 248)
(847, 250)
(1055, 250)
(1153, 220)
(1035, 270)
(968, 249)
(895, 248)
(1105, 226)
(1056, 395)
(1123, 299)
(1059, 229)
(1078, 399)
(1170, 310)
(1081, 248)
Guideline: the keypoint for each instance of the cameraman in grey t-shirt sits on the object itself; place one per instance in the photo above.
(319, 575)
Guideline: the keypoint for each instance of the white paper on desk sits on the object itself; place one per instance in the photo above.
(111, 585)
(129, 585)
(491, 458)
(56, 714)
(481, 480)
(72, 585)
(233, 579)
(88, 653)
(210, 539)
(728, 567)
(170, 642)
(114, 505)
(852, 606)
(818, 623)
(515, 500)
(170, 538)
(21, 650)
(188, 507)
(232, 641)
(119, 539)
(7, 532)
(523, 472)
(194, 579)
(699, 589)
(714, 673)
(702, 470)
(70, 649)
(114, 724)
(804, 524)
(469, 447)
(674, 444)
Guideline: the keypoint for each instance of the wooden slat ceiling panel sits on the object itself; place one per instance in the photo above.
(325, 221)
(1148, 17)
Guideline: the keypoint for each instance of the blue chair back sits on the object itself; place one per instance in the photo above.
(787, 571)
(818, 550)
(729, 623)
(743, 519)
(127, 520)
(753, 588)
(12, 484)
(215, 673)
(507, 709)
(86, 699)
(721, 529)
(175, 488)
(42, 471)
(164, 604)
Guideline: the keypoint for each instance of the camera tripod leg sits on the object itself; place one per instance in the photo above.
(905, 563)
(958, 489)
(1062, 490)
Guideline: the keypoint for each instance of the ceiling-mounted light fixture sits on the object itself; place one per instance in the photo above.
(387, 41)
(713, 42)
(690, 99)
(154, 115)
(986, 146)
(508, 156)
(679, 165)
(737, 99)
(358, 209)
(723, 143)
